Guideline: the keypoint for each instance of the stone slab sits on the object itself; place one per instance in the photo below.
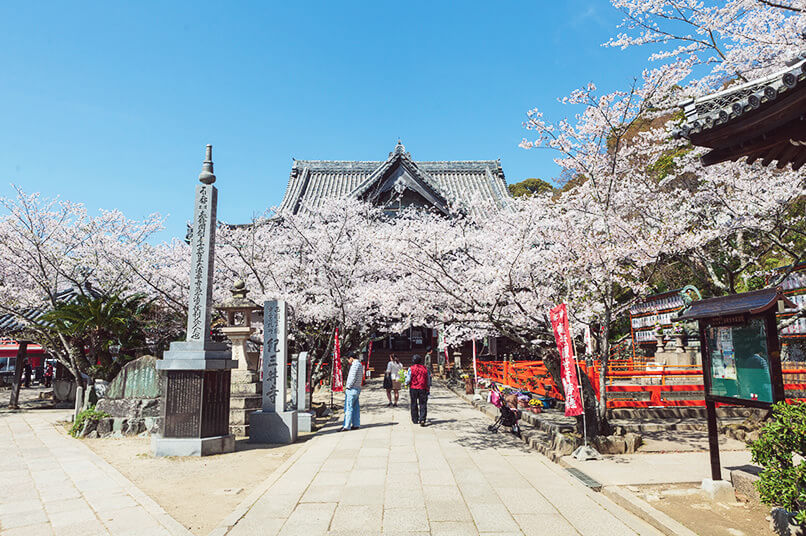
(744, 483)
(271, 427)
(192, 446)
(219, 362)
(656, 468)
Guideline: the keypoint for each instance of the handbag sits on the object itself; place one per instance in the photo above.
(387, 381)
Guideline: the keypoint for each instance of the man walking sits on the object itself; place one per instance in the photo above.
(419, 386)
(352, 388)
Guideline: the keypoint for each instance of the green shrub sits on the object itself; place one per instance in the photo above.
(90, 413)
(781, 450)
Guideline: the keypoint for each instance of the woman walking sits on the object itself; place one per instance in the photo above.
(391, 380)
(419, 380)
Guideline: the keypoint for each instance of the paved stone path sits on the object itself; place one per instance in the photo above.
(52, 484)
(452, 477)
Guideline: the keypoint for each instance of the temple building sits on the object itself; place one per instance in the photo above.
(396, 183)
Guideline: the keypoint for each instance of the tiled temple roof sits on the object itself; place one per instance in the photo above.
(760, 119)
(312, 182)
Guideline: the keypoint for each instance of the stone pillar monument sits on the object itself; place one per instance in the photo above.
(303, 393)
(196, 390)
(274, 423)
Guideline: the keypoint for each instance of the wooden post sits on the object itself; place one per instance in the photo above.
(713, 439)
(710, 406)
(774, 355)
(22, 351)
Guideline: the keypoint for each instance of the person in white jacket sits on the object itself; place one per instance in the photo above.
(352, 389)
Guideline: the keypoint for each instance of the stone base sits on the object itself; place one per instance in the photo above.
(271, 427)
(719, 490)
(192, 446)
(197, 355)
(304, 421)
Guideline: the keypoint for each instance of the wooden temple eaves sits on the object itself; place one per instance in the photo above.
(762, 120)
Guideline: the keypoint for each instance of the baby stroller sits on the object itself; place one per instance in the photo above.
(508, 416)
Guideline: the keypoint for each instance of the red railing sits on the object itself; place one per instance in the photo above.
(626, 387)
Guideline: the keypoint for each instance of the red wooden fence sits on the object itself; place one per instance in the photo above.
(627, 387)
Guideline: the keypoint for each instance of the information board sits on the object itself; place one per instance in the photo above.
(740, 362)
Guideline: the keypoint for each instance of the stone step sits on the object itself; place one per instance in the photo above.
(246, 389)
(245, 402)
(681, 412)
(239, 430)
(240, 416)
(664, 425)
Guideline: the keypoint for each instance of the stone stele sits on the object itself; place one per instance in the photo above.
(196, 392)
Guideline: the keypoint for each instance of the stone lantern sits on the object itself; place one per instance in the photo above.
(245, 387)
(239, 310)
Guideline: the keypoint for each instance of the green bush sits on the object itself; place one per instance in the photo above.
(89, 413)
(781, 450)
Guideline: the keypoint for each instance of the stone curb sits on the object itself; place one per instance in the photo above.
(645, 511)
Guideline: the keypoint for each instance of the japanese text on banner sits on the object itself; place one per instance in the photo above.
(562, 333)
(338, 379)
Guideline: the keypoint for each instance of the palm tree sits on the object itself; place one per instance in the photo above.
(103, 332)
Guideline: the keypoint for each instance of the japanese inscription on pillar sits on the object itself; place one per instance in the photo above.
(201, 274)
(275, 332)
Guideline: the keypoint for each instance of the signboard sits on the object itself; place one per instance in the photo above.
(739, 359)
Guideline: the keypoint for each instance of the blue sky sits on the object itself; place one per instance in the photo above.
(111, 103)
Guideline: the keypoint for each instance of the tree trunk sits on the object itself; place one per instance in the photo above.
(590, 427)
(22, 352)
(604, 357)
(551, 359)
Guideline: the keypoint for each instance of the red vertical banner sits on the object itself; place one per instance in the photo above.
(366, 369)
(338, 379)
(475, 369)
(562, 333)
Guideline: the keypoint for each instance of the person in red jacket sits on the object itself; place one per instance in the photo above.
(419, 386)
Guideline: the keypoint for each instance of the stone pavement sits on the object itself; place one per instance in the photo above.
(52, 484)
(452, 477)
(658, 468)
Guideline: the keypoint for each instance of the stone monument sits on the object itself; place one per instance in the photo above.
(301, 381)
(132, 400)
(196, 387)
(274, 423)
(245, 386)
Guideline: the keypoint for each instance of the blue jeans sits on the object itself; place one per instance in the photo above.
(352, 410)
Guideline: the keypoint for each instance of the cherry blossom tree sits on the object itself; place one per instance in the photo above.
(326, 263)
(48, 246)
(724, 40)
